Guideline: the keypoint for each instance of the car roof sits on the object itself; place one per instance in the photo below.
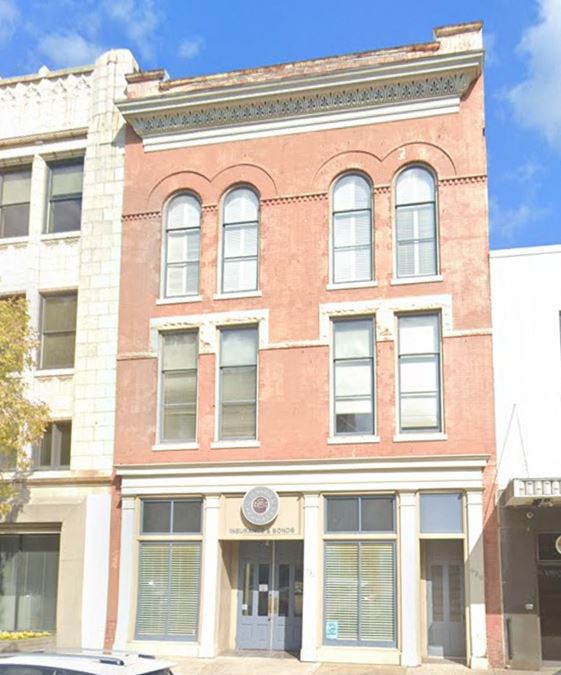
(96, 663)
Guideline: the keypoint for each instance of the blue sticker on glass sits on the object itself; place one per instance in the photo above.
(331, 630)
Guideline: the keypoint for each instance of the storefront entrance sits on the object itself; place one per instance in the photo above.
(445, 599)
(549, 586)
(270, 595)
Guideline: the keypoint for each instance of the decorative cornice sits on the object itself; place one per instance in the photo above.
(299, 105)
(295, 199)
(209, 208)
(147, 215)
(382, 189)
(463, 180)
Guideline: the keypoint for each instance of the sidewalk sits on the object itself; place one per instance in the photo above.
(253, 665)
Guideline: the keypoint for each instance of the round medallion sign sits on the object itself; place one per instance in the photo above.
(558, 544)
(260, 506)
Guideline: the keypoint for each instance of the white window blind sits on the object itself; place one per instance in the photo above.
(419, 372)
(415, 223)
(352, 230)
(360, 595)
(240, 241)
(179, 386)
(168, 590)
(183, 221)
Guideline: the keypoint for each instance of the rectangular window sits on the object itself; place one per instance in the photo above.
(65, 196)
(169, 575)
(175, 516)
(54, 450)
(58, 330)
(353, 375)
(179, 387)
(360, 514)
(442, 513)
(29, 573)
(360, 593)
(15, 188)
(238, 383)
(419, 373)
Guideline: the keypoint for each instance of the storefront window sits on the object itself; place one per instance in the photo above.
(29, 581)
(169, 571)
(359, 574)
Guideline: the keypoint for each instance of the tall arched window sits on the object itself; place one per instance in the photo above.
(415, 222)
(352, 229)
(183, 227)
(240, 241)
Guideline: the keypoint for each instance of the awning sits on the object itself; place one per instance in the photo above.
(529, 491)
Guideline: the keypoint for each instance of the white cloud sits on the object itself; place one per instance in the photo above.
(67, 49)
(140, 20)
(490, 44)
(537, 99)
(9, 16)
(508, 222)
(188, 49)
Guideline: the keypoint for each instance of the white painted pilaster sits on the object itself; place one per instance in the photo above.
(311, 600)
(96, 570)
(124, 618)
(210, 581)
(410, 578)
(475, 582)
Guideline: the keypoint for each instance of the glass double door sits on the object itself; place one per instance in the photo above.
(270, 596)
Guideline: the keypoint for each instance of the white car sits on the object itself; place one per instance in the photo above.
(83, 662)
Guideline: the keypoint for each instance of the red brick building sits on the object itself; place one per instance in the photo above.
(305, 437)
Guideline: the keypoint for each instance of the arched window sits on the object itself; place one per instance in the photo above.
(240, 241)
(352, 229)
(415, 222)
(183, 227)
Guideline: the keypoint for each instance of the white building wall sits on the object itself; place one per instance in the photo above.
(52, 116)
(526, 306)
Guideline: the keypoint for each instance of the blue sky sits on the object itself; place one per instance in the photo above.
(523, 68)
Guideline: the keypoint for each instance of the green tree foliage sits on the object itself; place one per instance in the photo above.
(22, 420)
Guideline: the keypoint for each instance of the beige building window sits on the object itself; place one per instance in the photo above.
(15, 189)
(58, 330)
(54, 450)
(65, 196)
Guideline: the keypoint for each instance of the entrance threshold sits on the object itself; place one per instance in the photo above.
(262, 654)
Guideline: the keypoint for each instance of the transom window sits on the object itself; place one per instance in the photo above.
(65, 196)
(353, 365)
(15, 189)
(360, 514)
(58, 330)
(179, 386)
(182, 246)
(415, 216)
(240, 242)
(238, 383)
(54, 449)
(419, 373)
(171, 516)
(442, 513)
(352, 229)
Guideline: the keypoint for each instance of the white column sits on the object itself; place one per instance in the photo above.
(210, 580)
(124, 618)
(312, 598)
(475, 582)
(410, 580)
(96, 570)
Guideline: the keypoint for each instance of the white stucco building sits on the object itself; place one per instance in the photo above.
(61, 182)
(526, 305)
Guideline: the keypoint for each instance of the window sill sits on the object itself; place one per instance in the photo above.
(13, 241)
(232, 296)
(158, 447)
(415, 438)
(351, 440)
(354, 284)
(225, 445)
(179, 300)
(54, 372)
(56, 236)
(417, 280)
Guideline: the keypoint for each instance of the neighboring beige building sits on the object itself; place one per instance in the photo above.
(61, 183)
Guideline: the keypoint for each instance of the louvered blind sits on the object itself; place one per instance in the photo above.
(341, 588)
(359, 591)
(377, 592)
(168, 590)
(416, 240)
